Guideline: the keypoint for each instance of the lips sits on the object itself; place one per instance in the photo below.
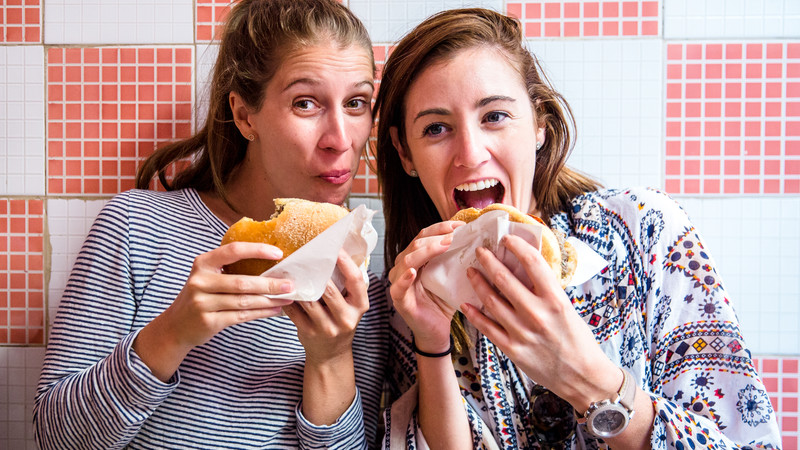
(336, 176)
(479, 194)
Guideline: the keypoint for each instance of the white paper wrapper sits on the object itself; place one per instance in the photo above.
(312, 265)
(446, 274)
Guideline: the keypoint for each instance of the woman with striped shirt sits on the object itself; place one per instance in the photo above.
(153, 346)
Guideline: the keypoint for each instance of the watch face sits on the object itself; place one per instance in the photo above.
(608, 420)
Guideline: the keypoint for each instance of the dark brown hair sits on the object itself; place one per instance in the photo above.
(258, 35)
(407, 207)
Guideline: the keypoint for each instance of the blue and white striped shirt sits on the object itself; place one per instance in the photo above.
(241, 389)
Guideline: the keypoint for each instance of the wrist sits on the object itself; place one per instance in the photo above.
(432, 354)
(599, 385)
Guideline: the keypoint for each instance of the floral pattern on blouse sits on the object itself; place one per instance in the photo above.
(659, 309)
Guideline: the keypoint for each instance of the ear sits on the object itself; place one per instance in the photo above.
(540, 135)
(241, 115)
(405, 157)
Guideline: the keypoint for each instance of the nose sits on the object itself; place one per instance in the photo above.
(335, 132)
(472, 151)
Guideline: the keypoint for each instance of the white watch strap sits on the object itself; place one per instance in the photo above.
(627, 392)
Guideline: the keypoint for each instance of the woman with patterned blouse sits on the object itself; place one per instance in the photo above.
(646, 353)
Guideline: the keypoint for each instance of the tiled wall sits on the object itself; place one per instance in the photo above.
(699, 97)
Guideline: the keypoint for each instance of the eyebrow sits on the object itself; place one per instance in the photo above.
(479, 104)
(314, 82)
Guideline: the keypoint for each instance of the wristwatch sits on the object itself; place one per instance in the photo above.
(608, 418)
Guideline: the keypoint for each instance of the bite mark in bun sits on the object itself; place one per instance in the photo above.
(294, 223)
(559, 254)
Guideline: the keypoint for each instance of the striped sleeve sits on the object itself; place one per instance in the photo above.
(94, 391)
(347, 433)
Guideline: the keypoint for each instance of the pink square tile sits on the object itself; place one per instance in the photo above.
(610, 9)
(533, 10)
(691, 186)
(611, 28)
(712, 148)
(512, 9)
(591, 29)
(572, 10)
(674, 52)
(552, 10)
(772, 186)
(691, 148)
(552, 29)
(673, 185)
(572, 29)
(752, 186)
(591, 10)
(711, 186)
(789, 385)
(533, 29)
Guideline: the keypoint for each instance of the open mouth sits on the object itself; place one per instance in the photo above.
(479, 194)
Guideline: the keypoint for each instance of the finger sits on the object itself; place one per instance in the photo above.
(419, 252)
(235, 251)
(439, 228)
(297, 314)
(501, 277)
(485, 325)
(400, 288)
(493, 303)
(355, 286)
(233, 317)
(539, 272)
(243, 302)
(243, 284)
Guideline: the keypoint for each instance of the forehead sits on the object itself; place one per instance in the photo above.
(466, 75)
(326, 58)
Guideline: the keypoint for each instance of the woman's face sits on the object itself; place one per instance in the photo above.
(471, 132)
(312, 126)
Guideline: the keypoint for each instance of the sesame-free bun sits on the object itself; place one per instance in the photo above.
(294, 223)
(559, 254)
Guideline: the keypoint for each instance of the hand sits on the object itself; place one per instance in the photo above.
(209, 302)
(427, 315)
(539, 329)
(326, 327)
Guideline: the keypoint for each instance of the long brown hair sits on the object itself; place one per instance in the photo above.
(258, 35)
(407, 207)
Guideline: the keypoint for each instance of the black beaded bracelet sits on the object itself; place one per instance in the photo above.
(431, 355)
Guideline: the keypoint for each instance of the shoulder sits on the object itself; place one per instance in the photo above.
(625, 201)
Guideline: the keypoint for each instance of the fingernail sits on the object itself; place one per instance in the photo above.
(470, 272)
(285, 288)
(447, 239)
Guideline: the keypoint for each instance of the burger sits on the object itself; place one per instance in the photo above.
(294, 223)
(559, 254)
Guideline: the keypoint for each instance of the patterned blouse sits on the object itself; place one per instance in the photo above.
(658, 309)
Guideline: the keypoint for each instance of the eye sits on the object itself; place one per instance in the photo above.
(304, 104)
(356, 103)
(434, 129)
(496, 116)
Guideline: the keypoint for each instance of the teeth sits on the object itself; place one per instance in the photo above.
(478, 186)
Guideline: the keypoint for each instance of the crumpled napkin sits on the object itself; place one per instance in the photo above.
(312, 265)
(446, 275)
